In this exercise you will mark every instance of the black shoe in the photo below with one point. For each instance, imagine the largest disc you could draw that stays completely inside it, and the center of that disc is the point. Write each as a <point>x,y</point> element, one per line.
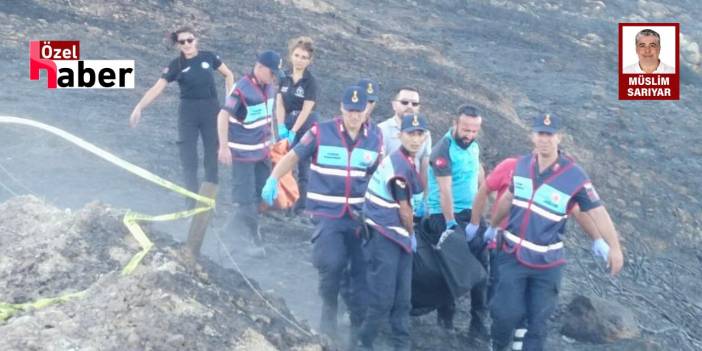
<point>477,327</point>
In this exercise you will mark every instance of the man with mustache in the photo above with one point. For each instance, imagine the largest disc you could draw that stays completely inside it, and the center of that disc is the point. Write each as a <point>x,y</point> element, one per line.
<point>453,180</point>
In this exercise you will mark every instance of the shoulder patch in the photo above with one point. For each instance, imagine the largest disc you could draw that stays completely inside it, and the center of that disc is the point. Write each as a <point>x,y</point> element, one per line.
<point>591,192</point>
<point>441,162</point>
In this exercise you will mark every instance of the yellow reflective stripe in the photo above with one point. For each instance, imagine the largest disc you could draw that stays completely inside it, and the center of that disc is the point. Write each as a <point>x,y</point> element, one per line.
<point>531,246</point>
<point>380,201</point>
<point>336,172</point>
<point>247,147</point>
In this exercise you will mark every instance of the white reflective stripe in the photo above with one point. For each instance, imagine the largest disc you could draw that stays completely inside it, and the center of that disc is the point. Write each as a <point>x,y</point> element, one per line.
<point>335,199</point>
<point>254,125</point>
<point>519,333</point>
<point>531,246</point>
<point>400,230</point>
<point>538,210</point>
<point>336,172</point>
<point>356,200</point>
<point>380,201</point>
<point>247,147</point>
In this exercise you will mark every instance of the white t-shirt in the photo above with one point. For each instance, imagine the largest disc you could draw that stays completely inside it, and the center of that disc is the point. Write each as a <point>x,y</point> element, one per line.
<point>662,68</point>
<point>391,140</point>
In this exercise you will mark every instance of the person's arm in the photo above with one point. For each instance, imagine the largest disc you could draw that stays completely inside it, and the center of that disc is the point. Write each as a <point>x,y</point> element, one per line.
<point>504,204</point>
<point>285,164</point>
<point>406,215</point>
<point>605,226</point>
<point>224,154</point>
<point>279,109</point>
<point>424,164</point>
<point>479,203</point>
<point>307,107</point>
<point>228,78</point>
<point>148,97</point>
<point>585,222</point>
<point>481,175</point>
<point>446,196</point>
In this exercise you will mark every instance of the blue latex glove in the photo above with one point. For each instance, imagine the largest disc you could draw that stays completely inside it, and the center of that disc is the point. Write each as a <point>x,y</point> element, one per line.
<point>451,224</point>
<point>291,137</point>
<point>600,249</point>
<point>490,234</point>
<point>282,131</point>
<point>471,230</point>
<point>270,191</point>
<point>413,241</point>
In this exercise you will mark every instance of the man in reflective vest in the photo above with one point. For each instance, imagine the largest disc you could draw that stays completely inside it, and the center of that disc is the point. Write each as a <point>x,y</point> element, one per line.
<point>546,185</point>
<point>498,181</point>
<point>244,128</point>
<point>344,153</point>
<point>454,177</point>
<point>389,216</point>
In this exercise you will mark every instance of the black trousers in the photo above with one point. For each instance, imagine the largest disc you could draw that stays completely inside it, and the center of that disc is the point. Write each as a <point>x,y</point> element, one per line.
<point>198,118</point>
<point>478,295</point>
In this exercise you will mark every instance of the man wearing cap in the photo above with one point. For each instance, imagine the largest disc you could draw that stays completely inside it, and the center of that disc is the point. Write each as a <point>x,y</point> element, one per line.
<point>344,153</point>
<point>406,102</point>
<point>546,185</point>
<point>454,177</point>
<point>389,217</point>
<point>244,129</point>
<point>372,92</point>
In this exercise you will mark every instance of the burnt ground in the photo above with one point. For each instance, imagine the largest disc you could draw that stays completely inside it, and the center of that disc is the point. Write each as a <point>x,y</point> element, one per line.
<point>512,59</point>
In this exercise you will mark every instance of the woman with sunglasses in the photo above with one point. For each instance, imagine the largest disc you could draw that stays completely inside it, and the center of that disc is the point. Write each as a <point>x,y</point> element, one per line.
<point>295,103</point>
<point>197,113</point>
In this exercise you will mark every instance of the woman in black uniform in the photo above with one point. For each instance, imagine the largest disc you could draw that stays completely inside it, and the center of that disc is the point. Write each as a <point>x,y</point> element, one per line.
<point>197,113</point>
<point>295,102</point>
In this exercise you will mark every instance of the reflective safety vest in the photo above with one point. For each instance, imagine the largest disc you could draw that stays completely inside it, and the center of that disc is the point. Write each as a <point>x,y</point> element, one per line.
<point>538,214</point>
<point>380,208</point>
<point>250,138</point>
<point>465,169</point>
<point>339,177</point>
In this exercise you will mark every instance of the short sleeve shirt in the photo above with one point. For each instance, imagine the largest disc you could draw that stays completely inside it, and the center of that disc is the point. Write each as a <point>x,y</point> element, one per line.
<point>295,94</point>
<point>391,140</point>
<point>194,75</point>
<point>499,180</point>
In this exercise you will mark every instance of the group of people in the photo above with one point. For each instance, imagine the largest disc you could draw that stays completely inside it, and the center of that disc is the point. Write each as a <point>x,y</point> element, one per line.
<point>370,187</point>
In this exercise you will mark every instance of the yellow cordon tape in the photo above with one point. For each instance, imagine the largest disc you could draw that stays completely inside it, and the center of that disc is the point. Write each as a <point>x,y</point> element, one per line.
<point>130,219</point>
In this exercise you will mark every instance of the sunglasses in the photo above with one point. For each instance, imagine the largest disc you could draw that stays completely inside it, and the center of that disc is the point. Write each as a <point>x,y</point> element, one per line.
<point>189,41</point>
<point>405,102</point>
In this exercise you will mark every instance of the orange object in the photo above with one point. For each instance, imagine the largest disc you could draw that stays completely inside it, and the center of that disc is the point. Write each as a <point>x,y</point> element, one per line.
<point>288,193</point>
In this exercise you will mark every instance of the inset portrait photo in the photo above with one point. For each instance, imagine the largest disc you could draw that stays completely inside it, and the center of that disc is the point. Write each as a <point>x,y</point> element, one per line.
<point>649,61</point>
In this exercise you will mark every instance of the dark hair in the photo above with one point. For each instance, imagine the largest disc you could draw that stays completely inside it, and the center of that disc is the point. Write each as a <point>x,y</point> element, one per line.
<point>647,33</point>
<point>183,29</point>
<point>467,110</point>
<point>304,43</point>
<point>408,88</point>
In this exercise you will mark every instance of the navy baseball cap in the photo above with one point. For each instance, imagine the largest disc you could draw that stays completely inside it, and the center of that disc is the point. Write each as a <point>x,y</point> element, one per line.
<point>547,123</point>
<point>273,61</point>
<point>371,89</point>
<point>413,122</point>
<point>355,98</point>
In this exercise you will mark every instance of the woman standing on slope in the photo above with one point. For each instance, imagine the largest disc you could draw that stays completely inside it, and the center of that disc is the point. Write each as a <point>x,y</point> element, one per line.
<point>295,102</point>
<point>197,112</point>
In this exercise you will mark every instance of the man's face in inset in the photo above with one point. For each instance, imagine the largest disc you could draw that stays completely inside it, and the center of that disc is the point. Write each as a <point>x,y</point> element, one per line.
<point>648,48</point>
